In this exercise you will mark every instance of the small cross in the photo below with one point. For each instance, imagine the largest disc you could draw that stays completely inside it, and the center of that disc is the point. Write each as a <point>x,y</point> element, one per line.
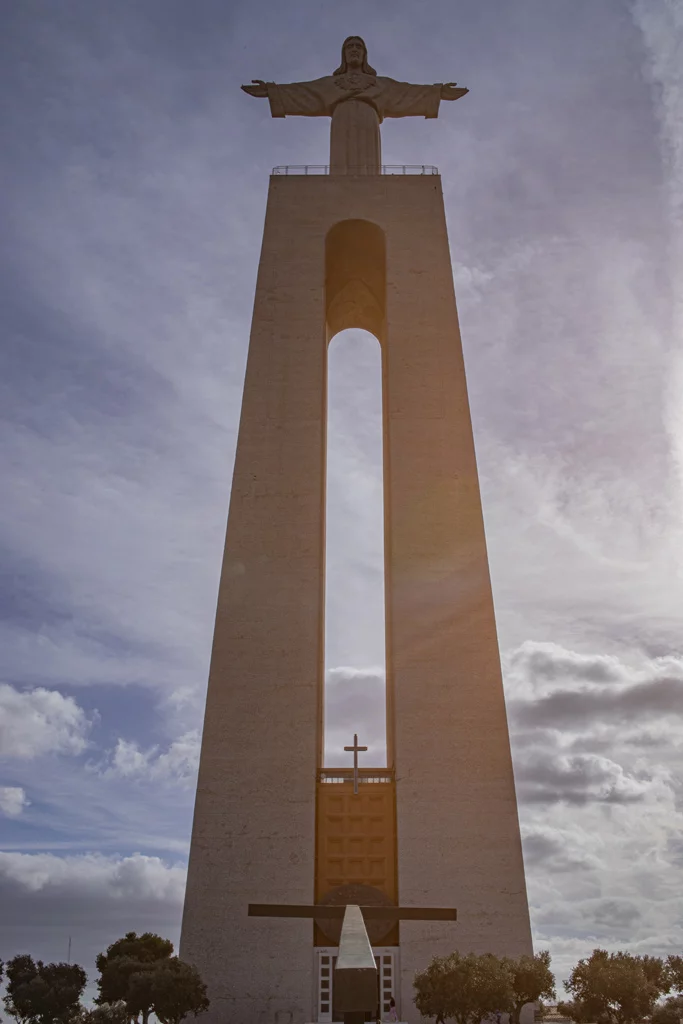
<point>355,748</point>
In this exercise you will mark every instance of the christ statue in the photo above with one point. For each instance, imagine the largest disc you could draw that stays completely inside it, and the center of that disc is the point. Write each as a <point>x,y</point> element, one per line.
<point>357,99</point>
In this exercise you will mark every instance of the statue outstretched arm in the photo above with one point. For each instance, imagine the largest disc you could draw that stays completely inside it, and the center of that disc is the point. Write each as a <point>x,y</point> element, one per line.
<point>402,99</point>
<point>305,99</point>
<point>257,88</point>
<point>449,91</point>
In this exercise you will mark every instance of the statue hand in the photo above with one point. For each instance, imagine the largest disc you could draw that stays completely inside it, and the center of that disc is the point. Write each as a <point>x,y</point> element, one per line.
<point>450,92</point>
<point>258,88</point>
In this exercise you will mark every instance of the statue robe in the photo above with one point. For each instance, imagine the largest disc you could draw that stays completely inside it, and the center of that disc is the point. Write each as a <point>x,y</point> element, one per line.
<point>357,104</point>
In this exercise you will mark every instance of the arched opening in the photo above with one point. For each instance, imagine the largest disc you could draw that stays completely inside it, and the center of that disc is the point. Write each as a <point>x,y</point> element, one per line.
<point>355,670</point>
<point>355,277</point>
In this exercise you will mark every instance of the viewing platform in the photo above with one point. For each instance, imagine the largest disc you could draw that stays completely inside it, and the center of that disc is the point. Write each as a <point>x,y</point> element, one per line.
<point>304,169</point>
<point>369,775</point>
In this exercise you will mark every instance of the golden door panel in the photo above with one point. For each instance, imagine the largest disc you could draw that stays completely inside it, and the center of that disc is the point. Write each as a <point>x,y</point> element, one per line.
<point>356,837</point>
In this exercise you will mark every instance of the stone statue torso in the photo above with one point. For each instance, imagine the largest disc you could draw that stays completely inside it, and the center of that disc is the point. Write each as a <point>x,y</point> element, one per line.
<point>354,142</point>
<point>353,81</point>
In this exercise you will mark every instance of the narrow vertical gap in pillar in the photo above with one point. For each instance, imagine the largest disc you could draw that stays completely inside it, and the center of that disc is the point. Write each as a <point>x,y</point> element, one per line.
<point>355,670</point>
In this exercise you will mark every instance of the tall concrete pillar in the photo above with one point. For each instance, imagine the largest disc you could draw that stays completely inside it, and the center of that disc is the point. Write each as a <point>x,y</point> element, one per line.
<point>370,252</point>
<point>458,833</point>
<point>253,838</point>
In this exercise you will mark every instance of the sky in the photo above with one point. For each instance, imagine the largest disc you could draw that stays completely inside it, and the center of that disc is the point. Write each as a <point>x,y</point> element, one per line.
<point>132,194</point>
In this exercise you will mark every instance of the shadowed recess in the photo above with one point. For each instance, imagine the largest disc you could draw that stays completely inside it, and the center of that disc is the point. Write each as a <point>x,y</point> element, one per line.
<point>355,277</point>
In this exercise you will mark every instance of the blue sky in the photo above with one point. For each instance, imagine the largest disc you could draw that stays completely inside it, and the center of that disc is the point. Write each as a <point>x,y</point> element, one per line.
<point>132,192</point>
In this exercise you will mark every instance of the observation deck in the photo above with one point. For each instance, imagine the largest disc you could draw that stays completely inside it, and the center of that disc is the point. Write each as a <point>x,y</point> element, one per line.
<point>305,169</point>
<point>372,775</point>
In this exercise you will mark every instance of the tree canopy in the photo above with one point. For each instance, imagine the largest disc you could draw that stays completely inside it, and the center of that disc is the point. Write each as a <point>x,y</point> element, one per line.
<point>530,981</point>
<point>615,988</point>
<point>674,970</point>
<point>668,1012</point>
<point>123,968</point>
<point>142,972</point>
<point>39,993</point>
<point>106,1013</point>
<point>463,988</point>
<point>177,990</point>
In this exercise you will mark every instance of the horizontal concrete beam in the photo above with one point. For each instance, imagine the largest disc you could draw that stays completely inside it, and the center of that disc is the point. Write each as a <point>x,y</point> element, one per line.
<point>323,913</point>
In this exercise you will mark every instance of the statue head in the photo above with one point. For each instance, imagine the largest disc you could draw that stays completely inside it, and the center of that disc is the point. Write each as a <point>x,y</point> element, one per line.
<point>354,57</point>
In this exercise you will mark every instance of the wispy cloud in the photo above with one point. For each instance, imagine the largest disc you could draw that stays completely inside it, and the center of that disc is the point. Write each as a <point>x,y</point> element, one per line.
<point>662,27</point>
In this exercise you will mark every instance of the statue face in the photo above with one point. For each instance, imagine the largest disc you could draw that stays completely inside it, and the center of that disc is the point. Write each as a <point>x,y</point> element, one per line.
<point>354,53</point>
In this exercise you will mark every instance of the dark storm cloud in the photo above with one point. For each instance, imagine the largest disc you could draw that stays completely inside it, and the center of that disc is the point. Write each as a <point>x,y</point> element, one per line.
<point>674,850</point>
<point>554,852</point>
<point>546,778</point>
<point>637,738</point>
<point>615,915</point>
<point>93,899</point>
<point>591,921</point>
<point>550,663</point>
<point>565,709</point>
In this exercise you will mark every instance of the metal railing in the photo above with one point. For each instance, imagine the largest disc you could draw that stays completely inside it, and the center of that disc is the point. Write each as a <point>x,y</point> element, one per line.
<point>337,775</point>
<point>299,169</point>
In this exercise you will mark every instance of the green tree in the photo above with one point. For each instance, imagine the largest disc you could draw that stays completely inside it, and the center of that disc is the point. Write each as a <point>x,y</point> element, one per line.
<point>39,993</point>
<point>123,968</point>
<point>657,972</point>
<point>674,970</point>
<point>106,1013</point>
<point>668,1012</point>
<point>531,979</point>
<point>614,988</point>
<point>463,988</point>
<point>177,990</point>
<point>574,1011</point>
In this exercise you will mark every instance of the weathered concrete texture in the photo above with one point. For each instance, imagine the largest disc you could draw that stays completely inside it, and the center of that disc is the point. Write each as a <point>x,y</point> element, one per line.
<point>254,830</point>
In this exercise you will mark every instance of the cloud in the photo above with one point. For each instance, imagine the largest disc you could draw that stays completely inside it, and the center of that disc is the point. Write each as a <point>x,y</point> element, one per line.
<point>355,702</point>
<point>552,687</point>
<point>614,914</point>
<point>179,763</point>
<point>94,899</point>
<point>596,745</point>
<point>127,317</point>
<point>555,850</point>
<point>582,725</point>
<point>662,33</point>
<point>13,800</point>
<point>674,849</point>
<point>40,721</point>
<point>579,779</point>
<point>654,699</point>
<point>546,662</point>
<point>114,878</point>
